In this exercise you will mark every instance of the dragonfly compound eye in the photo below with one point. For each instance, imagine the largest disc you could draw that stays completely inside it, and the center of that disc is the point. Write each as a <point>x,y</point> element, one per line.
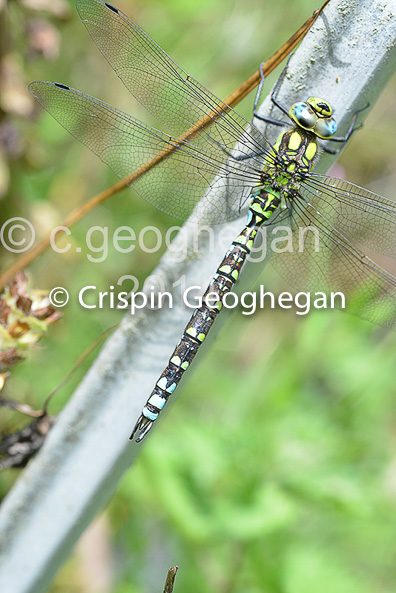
<point>302,114</point>
<point>325,127</point>
<point>320,106</point>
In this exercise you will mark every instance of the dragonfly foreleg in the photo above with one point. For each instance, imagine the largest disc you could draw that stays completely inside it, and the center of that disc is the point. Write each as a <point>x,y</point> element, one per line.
<point>274,98</point>
<point>343,139</point>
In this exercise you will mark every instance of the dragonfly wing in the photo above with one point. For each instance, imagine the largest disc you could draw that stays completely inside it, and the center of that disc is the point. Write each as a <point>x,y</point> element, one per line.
<point>317,257</point>
<point>177,179</point>
<point>364,217</point>
<point>177,100</point>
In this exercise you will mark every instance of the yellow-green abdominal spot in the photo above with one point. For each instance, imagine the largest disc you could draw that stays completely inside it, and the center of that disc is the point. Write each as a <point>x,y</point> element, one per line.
<point>241,239</point>
<point>257,208</point>
<point>225,269</point>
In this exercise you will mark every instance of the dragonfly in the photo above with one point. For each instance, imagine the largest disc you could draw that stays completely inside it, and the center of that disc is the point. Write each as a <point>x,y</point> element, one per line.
<point>219,172</point>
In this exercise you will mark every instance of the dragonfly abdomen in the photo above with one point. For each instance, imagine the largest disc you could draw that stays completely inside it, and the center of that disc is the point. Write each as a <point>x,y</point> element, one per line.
<point>263,204</point>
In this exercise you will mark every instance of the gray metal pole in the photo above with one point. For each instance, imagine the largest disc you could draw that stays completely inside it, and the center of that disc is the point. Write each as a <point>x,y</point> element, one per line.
<point>346,58</point>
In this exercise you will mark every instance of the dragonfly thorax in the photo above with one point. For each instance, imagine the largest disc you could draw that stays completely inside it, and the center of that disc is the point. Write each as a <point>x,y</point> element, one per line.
<point>295,155</point>
<point>314,115</point>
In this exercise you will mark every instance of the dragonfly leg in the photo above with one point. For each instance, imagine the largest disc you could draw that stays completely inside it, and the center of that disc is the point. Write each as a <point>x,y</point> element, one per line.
<point>274,99</point>
<point>270,120</point>
<point>267,119</point>
<point>343,139</point>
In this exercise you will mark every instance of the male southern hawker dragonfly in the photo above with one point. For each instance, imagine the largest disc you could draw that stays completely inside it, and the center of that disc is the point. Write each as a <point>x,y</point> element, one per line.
<point>249,175</point>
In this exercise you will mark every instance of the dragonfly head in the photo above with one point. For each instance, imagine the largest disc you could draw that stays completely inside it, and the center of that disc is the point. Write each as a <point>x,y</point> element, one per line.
<point>314,115</point>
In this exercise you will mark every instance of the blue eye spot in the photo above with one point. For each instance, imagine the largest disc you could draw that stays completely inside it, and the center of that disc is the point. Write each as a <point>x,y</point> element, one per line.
<point>303,115</point>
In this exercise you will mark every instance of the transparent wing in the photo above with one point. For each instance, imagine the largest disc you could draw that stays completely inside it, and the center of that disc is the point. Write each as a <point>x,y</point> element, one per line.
<point>153,78</point>
<point>361,215</point>
<point>323,259</point>
<point>179,177</point>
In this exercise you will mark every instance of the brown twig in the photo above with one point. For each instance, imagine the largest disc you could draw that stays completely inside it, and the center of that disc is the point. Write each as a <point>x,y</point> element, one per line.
<point>170,579</point>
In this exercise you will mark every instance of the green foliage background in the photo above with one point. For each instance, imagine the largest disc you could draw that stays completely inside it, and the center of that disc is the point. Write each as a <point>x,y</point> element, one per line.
<point>275,471</point>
